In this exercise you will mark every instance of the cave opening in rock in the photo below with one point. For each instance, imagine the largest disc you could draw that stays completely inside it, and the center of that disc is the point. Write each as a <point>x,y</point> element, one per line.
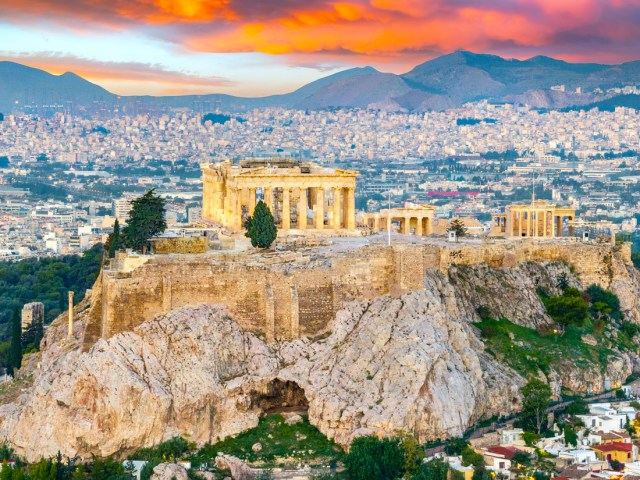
<point>279,396</point>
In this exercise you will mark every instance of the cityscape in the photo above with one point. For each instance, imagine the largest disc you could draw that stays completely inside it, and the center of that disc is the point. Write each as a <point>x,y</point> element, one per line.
<point>66,179</point>
<point>354,240</point>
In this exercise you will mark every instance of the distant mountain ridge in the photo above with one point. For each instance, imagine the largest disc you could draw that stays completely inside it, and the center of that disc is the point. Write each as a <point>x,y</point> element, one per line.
<point>444,82</point>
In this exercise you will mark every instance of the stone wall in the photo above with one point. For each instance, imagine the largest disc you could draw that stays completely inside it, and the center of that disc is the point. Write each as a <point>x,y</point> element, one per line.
<point>288,294</point>
<point>180,245</point>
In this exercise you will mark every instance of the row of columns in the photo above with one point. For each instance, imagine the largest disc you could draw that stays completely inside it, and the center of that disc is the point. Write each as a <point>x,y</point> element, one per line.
<point>531,227</point>
<point>226,205</point>
<point>420,225</point>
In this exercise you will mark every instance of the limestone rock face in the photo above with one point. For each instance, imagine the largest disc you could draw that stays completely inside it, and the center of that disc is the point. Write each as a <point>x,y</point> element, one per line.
<point>169,471</point>
<point>390,364</point>
<point>410,363</point>
<point>174,375</point>
<point>401,364</point>
<point>510,292</point>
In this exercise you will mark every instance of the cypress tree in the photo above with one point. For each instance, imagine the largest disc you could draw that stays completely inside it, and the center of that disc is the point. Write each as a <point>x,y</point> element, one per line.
<point>146,220</point>
<point>261,228</point>
<point>114,240</point>
<point>15,351</point>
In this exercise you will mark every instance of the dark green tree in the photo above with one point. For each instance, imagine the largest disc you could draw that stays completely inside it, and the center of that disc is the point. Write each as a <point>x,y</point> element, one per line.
<point>521,458</point>
<point>536,397</point>
<point>6,471</point>
<point>146,220</point>
<point>600,295</point>
<point>577,407</point>
<point>107,469</point>
<point>261,227</point>
<point>45,469</point>
<point>472,458</point>
<point>15,352</point>
<point>567,309</point>
<point>79,473</point>
<point>570,436</point>
<point>563,281</point>
<point>628,426</point>
<point>457,226</point>
<point>455,446</point>
<point>7,452</point>
<point>370,457</point>
<point>114,241</point>
<point>147,470</point>
<point>433,470</point>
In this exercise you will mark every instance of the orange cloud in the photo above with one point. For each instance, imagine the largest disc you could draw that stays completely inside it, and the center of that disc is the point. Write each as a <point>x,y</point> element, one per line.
<point>373,29</point>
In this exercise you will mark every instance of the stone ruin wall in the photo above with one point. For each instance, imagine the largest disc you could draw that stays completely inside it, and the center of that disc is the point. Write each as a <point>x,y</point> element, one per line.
<point>281,301</point>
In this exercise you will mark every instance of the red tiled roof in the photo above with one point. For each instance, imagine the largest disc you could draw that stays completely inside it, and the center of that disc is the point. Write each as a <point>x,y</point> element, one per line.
<point>507,452</point>
<point>614,447</point>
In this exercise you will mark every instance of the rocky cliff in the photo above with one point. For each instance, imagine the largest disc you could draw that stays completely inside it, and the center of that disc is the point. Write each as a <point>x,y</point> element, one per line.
<point>412,362</point>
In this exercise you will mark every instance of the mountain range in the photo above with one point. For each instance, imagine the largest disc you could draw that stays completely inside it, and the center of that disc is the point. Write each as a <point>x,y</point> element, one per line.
<point>444,82</point>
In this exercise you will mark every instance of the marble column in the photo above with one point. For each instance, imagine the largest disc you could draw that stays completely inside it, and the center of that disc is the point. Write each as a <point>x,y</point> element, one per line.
<point>350,220</point>
<point>286,212</point>
<point>419,226</point>
<point>237,209</point>
<point>520,221</point>
<point>226,207</point>
<point>268,198</point>
<point>337,208</point>
<point>406,225</point>
<point>219,202</point>
<point>318,214</point>
<point>302,209</point>
<point>252,200</point>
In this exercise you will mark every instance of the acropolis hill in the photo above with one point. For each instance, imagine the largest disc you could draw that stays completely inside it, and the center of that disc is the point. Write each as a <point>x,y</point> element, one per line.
<point>365,337</point>
<point>367,331</point>
<point>287,294</point>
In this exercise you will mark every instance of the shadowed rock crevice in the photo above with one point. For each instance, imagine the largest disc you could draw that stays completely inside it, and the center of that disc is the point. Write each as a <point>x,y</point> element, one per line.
<point>278,396</point>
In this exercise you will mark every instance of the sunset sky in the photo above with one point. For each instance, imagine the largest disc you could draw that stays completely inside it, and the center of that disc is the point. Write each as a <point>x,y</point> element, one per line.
<point>262,47</point>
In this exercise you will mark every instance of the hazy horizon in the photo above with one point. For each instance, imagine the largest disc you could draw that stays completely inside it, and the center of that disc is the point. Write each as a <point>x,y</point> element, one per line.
<point>247,49</point>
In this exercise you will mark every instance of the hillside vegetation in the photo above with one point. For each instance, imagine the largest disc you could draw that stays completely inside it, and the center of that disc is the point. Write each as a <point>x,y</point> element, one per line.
<point>46,280</point>
<point>589,329</point>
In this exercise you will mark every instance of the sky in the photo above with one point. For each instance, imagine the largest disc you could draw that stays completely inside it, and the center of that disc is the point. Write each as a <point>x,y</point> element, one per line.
<point>261,47</point>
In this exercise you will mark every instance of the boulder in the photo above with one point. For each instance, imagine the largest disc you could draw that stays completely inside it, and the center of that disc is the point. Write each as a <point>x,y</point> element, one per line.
<point>169,471</point>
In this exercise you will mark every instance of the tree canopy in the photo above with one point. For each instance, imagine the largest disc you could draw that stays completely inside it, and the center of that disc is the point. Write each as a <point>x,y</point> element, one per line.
<point>114,241</point>
<point>146,220</point>
<point>536,397</point>
<point>45,280</point>
<point>261,227</point>
<point>370,458</point>
<point>456,225</point>
<point>15,351</point>
<point>568,308</point>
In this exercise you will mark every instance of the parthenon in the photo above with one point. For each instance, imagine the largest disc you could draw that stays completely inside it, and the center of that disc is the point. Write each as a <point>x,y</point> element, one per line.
<point>537,219</point>
<point>301,196</point>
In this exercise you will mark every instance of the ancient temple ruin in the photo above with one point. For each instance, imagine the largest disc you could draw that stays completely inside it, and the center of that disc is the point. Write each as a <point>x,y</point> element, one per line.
<point>536,219</point>
<point>301,195</point>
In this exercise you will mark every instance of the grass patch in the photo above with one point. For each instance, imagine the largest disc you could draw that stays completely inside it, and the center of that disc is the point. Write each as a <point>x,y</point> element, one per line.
<point>11,390</point>
<point>282,445</point>
<point>526,350</point>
